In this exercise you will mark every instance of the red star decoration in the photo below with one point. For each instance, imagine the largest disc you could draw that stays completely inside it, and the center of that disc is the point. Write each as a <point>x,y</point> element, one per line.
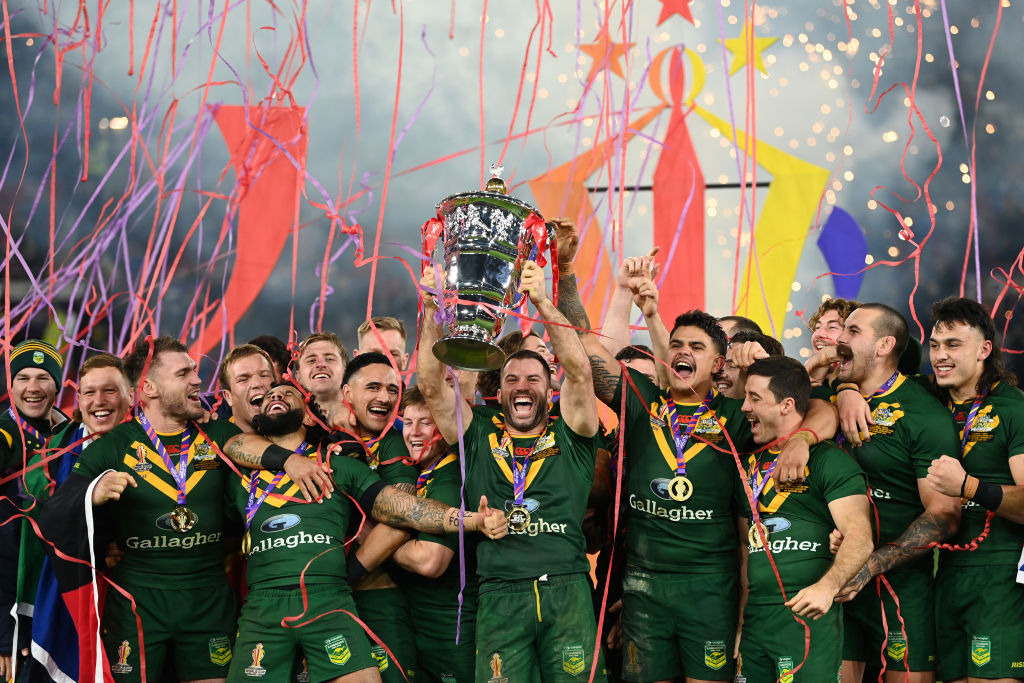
<point>603,51</point>
<point>670,7</point>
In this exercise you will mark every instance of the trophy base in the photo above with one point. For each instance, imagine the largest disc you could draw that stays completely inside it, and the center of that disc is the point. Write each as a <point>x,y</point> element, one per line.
<point>465,353</point>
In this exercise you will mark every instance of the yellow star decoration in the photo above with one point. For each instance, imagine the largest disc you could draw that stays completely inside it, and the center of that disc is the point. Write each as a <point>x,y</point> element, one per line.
<point>738,46</point>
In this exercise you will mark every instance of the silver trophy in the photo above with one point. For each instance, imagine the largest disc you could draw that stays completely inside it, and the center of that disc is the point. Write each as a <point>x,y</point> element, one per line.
<point>485,238</point>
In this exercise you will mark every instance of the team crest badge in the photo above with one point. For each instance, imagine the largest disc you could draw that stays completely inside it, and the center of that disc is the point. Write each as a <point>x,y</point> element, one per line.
<point>785,670</point>
<point>573,661</point>
<point>381,657</point>
<point>708,424</point>
<point>896,649</point>
<point>886,414</point>
<point>142,465</point>
<point>337,649</point>
<point>121,666</point>
<point>220,650</point>
<point>714,654</point>
<point>254,670</point>
<point>981,650</point>
<point>37,357</point>
<point>632,663</point>
<point>495,663</point>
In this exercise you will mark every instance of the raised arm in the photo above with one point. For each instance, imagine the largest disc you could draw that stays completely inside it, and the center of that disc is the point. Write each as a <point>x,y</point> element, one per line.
<point>578,408</point>
<point>939,521</point>
<point>395,507</point>
<point>605,370</point>
<point>615,332</point>
<point>852,515</point>
<point>430,371</point>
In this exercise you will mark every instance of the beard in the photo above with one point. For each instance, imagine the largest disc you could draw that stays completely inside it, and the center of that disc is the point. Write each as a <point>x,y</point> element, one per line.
<point>531,421</point>
<point>180,407</point>
<point>281,424</point>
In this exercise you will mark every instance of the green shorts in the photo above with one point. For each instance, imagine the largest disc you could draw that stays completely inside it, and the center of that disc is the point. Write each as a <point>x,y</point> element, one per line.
<point>979,622</point>
<point>909,646</point>
<point>386,612</point>
<point>191,628</point>
<point>333,645</point>
<point>533,630</point>
<point>438,658</point>
<point>662,640</point>
<point>773,643</point>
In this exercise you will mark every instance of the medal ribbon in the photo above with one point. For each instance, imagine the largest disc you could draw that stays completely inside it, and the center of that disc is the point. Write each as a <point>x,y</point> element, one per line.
<point>682,439</point>
<point>424,476</point>
<point>972,416</point>
<point>24,425</point>
<point>757,487</point>
<point>253,504</point>
<point>178,472</point>
<point>519,471</point>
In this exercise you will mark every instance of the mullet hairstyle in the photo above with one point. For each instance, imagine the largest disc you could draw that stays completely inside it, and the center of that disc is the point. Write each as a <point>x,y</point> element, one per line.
<point>706,322</point>
<point>787,378</point>
<point>844,307</point>
<point>953,310</point>
<point>135,361</point>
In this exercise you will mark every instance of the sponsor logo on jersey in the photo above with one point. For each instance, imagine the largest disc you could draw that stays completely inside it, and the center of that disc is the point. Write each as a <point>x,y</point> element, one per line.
<point>632,663</point>
<point>121,666</point>
<point>981,650</point>
<point>785,669</point>
<point>714,654</point>
<point>293,541</point>
<point>220,650</point>
<point>337,649</point>
<point>1017,665</point>
<point>881,494</point>
<point>896,648</point>
<point>164,521</point>
<point>280,523</point>
<point>176,541</point>
<point>776,524</point>
<point>573,661</point>
<point>381,657</point>
<point>788,544</point>
<point>495,663</point>
<point>254,670</point>
<point>676,513</point>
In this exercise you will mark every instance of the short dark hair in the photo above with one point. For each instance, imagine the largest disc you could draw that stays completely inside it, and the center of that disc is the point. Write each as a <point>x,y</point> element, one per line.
<point>771,345</point>
<point>741,324</point>
<point>364,360</point>
<point>635,352</point>
<point>787,378</point>
<point>706,322</point>
<point>275,348</point>
<point>488,382</point>
<point>135,361</point>
<point>527,354</point>
<point>413,397</point>
<point>890,323</point>
<point>955,309</point>
<point>844,307</point>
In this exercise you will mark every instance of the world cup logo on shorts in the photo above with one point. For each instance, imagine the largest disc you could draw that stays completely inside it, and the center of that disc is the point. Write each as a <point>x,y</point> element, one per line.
<point>121,666</point>
<point>254,670</point>
<point>495,663</point>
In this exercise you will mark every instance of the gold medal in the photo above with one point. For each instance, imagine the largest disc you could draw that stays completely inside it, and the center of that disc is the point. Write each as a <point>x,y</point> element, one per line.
<point>183,519</point>
<point>518,518</point>
<point>755,538</point>
<point>680,488</point>
<point>246,543</point>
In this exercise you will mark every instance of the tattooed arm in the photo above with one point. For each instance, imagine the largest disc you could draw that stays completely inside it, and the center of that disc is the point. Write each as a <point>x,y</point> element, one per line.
<point>398,508</point>
<point>259,453</point>
<point>939,521</point>
<point>605,370</point>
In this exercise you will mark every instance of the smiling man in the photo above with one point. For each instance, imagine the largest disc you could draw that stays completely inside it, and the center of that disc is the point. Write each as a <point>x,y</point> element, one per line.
<point>288,540</point>
<point>319,369</point>
<point>161,481</point>
<point>534,619</point>
<point>245,376</point>
<point>793,525</point>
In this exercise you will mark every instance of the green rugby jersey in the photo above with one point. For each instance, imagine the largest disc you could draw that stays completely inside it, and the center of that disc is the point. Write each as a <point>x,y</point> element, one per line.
<point>287,533</point>
<point>389,458</point>
<point>156,554</point>
<point>997,435</point>
<point>558,483</point>
<point>798,520</point>
<point>697,535</point>
<point>13,448</point>
<point>911,429</point>
<point>434,603</point>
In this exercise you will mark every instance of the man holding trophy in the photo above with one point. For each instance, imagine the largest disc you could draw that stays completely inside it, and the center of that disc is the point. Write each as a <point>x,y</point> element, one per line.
<point>535,619</point>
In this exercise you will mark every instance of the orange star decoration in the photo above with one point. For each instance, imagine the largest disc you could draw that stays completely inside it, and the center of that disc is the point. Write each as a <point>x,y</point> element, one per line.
<point>671,7</point>
<point>738,46</point>
<point>605,53</point>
